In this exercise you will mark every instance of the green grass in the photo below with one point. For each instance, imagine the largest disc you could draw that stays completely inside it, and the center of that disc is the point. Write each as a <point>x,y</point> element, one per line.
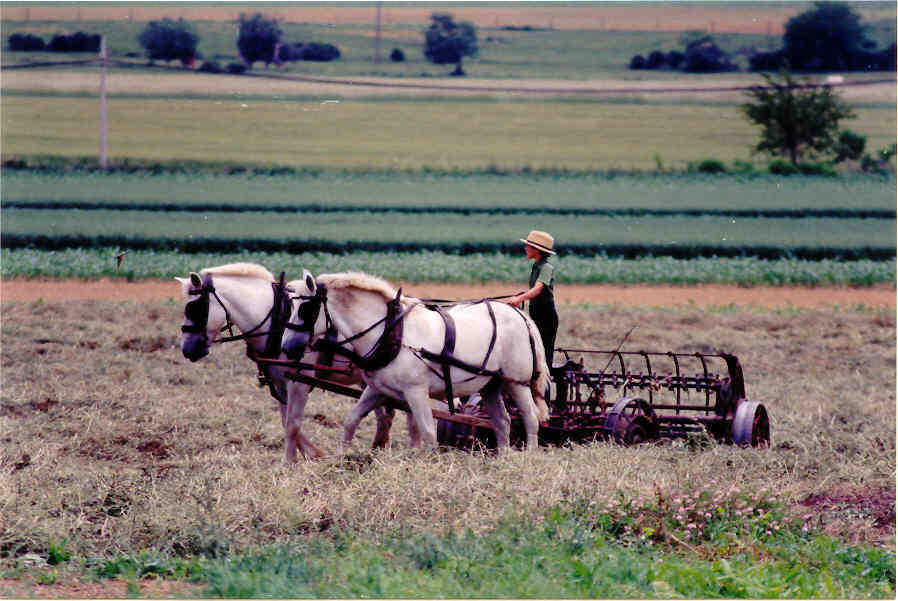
<point>635,549</point>
<point>518,192</point>
<point>441,267</point>
<point>576,136</point>
<point>564,559</point>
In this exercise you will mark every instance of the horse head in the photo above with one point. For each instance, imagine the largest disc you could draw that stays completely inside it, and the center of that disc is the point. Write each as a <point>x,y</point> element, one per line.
<point>204,316</point>
<point>304,319</point>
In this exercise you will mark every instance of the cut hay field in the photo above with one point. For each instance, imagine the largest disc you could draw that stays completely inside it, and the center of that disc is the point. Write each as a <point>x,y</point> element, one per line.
<point>121,459</point>
<point>575,136</point>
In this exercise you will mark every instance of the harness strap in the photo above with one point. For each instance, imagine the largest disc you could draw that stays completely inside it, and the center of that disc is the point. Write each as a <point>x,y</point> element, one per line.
<point>489,350</point>
<point>448,349</point>
<point>532,343</point>
<point>281,307</point>
<point>384,350</point>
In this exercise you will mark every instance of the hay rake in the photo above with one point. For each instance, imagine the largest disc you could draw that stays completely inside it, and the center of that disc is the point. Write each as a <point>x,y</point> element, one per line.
<point>635,397</point>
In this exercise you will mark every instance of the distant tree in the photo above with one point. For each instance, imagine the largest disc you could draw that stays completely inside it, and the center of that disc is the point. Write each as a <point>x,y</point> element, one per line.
<point>447,42</point>
<point>849,146</point>
<point>796,118</point>
<point>25,42</point>
<point>257,39</point>
<point>824,38</point>
<point>169,40</point>
<point>705,56</point>
<point>637,62</point>
<point>76,42</point>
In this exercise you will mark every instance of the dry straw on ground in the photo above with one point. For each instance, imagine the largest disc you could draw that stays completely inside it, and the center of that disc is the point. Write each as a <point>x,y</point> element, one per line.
<point>113,442</point>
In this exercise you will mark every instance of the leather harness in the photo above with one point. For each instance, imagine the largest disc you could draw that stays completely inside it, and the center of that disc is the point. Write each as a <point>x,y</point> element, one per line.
<point>389,344</point>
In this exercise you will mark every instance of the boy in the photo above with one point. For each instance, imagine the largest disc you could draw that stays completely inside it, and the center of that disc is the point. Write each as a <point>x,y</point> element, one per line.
<point>538,246</point>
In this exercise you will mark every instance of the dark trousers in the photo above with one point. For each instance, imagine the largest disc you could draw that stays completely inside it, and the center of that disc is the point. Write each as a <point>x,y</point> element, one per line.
<point>546,319</point>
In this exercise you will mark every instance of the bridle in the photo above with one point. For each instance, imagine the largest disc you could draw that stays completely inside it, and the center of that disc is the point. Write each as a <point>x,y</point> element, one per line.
<point>381,354</point>
<point>197,312</point>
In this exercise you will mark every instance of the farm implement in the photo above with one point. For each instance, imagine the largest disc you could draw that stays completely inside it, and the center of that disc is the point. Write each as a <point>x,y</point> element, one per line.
<point>636,397</point>
<point>627,397</point>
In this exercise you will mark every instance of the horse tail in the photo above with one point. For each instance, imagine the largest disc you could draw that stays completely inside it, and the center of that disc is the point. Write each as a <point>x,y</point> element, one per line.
<point>539,381</point>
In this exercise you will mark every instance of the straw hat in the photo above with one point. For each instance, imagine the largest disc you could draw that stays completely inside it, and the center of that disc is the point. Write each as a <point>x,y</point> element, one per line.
<point>541,241</point>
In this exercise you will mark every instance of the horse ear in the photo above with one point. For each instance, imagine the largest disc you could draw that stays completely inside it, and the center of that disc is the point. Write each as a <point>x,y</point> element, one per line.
<point>196,280</point>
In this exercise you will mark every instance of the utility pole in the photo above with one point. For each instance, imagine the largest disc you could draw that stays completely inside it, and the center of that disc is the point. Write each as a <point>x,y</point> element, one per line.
<point>377,36</point>
<point>103,102</point>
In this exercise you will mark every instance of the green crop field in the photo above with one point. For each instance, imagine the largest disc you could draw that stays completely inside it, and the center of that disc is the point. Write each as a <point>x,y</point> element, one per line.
<point>453,231</point>
<point>425,266</point>
<point>330,190</point>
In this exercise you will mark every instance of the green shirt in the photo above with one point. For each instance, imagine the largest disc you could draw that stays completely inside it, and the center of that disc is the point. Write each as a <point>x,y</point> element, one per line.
<point>543,271</point>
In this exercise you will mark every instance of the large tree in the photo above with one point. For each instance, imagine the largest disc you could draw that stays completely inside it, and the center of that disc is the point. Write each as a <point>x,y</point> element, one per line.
<point>447,42</point>
<point>169,40</point>
<point>797,119</point>
<point>825,38</point>
<point>257,39</point>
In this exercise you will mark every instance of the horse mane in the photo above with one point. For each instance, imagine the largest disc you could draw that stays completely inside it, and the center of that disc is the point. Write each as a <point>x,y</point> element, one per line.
<point>360,281</point>
<point>246,270</point>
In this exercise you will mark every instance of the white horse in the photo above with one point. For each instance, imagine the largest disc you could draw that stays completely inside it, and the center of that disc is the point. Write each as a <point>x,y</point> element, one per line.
<point>497,349</point>
<point>245,295</point>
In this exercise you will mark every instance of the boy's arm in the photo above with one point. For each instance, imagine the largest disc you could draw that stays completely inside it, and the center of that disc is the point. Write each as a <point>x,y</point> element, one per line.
<point>519,298</point>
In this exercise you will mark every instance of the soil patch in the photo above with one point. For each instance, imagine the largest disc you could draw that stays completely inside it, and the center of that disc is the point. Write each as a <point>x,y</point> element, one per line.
<point>600,294</point>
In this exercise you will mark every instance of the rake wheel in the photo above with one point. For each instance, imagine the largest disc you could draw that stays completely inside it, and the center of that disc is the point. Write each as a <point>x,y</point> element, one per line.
<point>751,426</point>
<point>632,421</point>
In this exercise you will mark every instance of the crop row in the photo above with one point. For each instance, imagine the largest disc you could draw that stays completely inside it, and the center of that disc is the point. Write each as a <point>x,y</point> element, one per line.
<point>433,266</point>
<point>677,236</point>
<point>344,190</point>
<point>165,206</point>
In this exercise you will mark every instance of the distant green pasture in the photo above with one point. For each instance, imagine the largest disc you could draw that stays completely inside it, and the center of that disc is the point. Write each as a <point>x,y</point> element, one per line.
<point>453,229</point>
<point>543,52</point>
<point>549,54</point>
<point>335,190</point>
<point>587,136</point>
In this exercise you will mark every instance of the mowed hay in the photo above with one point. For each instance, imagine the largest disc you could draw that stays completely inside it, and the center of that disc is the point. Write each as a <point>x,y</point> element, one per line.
<point>113,442</point>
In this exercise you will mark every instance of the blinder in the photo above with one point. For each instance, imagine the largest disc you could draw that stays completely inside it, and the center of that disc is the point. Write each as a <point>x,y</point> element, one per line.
<point>307,314</point>
<point>197,311</point>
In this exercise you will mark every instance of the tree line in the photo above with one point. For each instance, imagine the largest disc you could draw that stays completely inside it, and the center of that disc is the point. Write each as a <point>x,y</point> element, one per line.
<point>828,37</point>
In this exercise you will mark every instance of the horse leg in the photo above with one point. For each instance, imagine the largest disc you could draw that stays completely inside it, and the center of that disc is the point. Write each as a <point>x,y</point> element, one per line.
<point>291,416</point>
<point>424,431</point>
<point>367,402</point>
<point>524,400</point>
<point>498,416</point>
<point>414,435</point>
<point>384,423</point>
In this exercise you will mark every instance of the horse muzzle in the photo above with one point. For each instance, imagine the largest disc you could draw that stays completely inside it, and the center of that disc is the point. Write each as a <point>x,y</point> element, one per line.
<point>194,350</point>
<point>295,345</point>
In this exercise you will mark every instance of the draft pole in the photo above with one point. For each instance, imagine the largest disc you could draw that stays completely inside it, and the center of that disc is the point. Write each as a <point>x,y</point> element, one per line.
<point>103,102</point>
